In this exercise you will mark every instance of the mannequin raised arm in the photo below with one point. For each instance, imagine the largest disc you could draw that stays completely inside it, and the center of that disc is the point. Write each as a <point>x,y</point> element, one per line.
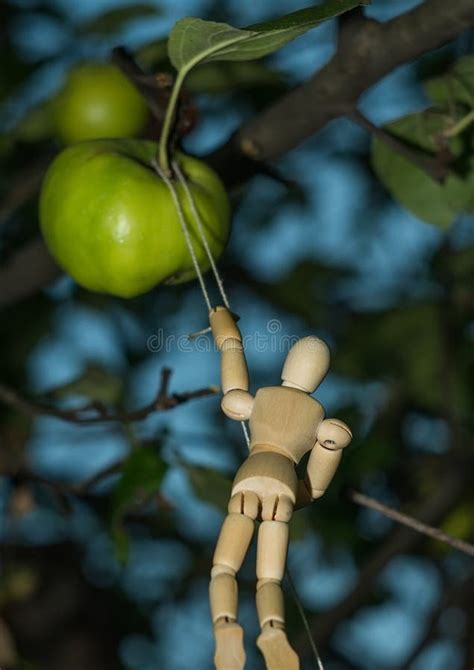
<point>237,402</point>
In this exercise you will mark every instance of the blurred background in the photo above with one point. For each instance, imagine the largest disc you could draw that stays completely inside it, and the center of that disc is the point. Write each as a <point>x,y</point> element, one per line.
<point>115,574</point>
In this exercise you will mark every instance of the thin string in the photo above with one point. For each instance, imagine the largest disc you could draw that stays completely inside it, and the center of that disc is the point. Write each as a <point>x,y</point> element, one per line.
<point>246,432</point>
<point>200,226</point>
<point>302,614</point>
<point>197,217</point>
<point>187,236</point>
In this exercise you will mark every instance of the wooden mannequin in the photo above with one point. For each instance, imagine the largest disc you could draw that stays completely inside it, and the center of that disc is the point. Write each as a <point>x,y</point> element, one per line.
<point>285,423</point>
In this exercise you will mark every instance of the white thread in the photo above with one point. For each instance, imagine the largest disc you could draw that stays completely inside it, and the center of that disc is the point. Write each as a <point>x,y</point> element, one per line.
<point>187,236</point>
<point>205,243</point>
<point>301,611</point>
<point>202,233</point>
<point>246,432</point>
<point>184,227</point>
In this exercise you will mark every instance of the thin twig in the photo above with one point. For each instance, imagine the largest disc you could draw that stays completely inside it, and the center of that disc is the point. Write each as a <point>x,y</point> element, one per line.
<point>83,487</point>
<point>155,89</point>
<point>400,540</point>
<point>64,489</point>
<point>368,54</point>
<point>434,167</point>
<point>431,531</point>
<point>163,402</point>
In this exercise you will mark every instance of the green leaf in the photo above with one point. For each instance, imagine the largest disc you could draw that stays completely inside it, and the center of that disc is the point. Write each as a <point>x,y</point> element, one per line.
<point>141,478</point>
<point>210,486</point>
<point>111,22</point>
<point>217,77</point>
<point>214,77</point>
<point>439,204</point>
<point>193,41</point>
<point>95,383</point>
<point>456,86</point>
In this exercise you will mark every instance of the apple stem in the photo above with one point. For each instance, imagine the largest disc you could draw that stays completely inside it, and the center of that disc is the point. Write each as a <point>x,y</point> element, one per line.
<point>163,158</point>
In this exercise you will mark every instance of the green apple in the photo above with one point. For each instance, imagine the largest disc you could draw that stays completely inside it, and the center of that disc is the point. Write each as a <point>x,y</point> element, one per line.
<point>110,221</point>
<point>98,101</point>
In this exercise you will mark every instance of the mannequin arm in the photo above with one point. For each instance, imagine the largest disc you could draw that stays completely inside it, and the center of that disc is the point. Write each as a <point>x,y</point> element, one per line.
<point>333,437</point>
<point>322,466</point>
<point>237,402</point>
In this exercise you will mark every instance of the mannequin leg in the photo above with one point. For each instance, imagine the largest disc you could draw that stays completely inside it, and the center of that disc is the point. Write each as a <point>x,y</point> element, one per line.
<point>232,545</point>
<point>271,559</point>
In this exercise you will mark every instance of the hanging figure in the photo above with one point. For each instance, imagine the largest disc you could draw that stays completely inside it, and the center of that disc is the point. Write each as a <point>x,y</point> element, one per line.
<point>285,423</point>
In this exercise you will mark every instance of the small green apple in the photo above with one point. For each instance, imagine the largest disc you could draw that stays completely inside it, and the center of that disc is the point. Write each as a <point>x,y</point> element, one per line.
<point>96,102</point>
<point>110,221</point>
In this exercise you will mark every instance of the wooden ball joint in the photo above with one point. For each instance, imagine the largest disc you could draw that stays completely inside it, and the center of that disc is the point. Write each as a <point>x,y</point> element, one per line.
<point>285,423</point>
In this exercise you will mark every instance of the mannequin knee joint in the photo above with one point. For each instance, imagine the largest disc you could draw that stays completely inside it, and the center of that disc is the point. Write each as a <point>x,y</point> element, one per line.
<point>221,569</point>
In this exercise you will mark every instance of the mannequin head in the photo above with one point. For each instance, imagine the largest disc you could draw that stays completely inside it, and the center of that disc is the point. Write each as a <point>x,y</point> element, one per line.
<point>306,364</point>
